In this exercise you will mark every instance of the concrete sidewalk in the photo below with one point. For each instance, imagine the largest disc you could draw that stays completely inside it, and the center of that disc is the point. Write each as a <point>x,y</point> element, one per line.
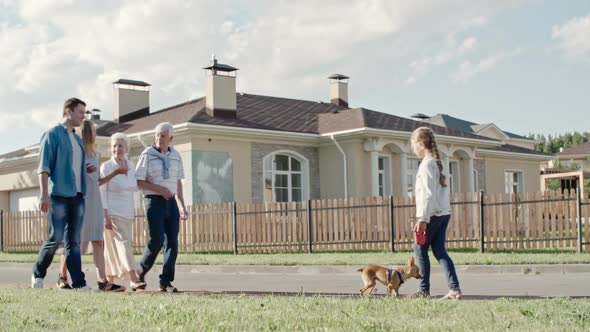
<point>476,280</point>
<point>351,269</point>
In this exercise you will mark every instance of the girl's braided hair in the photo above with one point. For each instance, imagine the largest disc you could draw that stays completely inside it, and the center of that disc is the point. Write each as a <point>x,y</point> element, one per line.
<point>425,136</point>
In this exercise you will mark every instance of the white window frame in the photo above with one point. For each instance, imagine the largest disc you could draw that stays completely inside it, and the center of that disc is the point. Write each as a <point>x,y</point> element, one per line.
<point>386,184</point>
<point>520,185</point>
<point>452,188</point>
<point>304,174</point>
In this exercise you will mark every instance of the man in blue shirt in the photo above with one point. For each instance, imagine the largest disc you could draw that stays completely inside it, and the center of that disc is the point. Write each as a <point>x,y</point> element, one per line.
<point>62,162</point>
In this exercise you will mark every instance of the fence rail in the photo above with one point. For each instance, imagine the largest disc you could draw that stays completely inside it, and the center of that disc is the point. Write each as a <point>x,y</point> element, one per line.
<point>478,221</point>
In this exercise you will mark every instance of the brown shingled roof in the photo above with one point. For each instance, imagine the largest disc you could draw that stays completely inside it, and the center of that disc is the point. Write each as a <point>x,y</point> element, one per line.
<point>279,114</point>
<point>580,149</point>
<point>516,149</point>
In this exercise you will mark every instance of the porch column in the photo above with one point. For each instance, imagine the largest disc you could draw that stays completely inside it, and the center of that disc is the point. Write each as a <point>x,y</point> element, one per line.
<point>403,158</point>
<point>470,179</point>
<point>446,167</point>
<point>374,173</point>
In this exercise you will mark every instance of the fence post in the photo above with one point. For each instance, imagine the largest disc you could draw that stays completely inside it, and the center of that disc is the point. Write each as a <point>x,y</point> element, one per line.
<point>579,212</point>
<point>482,217</point>
<point>309,228</point>
<point>1,228</point>
<point>234,220</point>
<point>391,223</point>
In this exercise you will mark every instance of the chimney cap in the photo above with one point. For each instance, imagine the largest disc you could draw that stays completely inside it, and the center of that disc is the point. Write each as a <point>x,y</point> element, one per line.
<point>221,67</point>
<point>338,77</point>
<point>131,82</point>
<point>420,116</point>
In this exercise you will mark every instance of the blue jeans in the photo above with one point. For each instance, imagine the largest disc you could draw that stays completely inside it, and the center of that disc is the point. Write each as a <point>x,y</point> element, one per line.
<point>163,218</point>
<point>436,236</point>
<point>66,215</point>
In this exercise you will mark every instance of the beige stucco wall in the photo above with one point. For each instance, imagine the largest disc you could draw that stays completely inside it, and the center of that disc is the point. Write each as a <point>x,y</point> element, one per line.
<point>359,170</point>
<point>331,172</point>
<point>22,178</point>
<point>359,176</point>
<point>492,132</point>
<point>495,168</point>
<point>221,92</point>
<point>4,200</point>
<point>127,101</point>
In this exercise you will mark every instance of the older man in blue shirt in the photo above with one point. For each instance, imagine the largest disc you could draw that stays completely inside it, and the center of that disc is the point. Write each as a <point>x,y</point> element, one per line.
<point>61,179</point>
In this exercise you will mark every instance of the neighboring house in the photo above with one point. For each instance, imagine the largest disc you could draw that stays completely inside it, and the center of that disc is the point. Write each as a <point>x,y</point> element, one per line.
<point>486,129</point>
<point>571,167</point>
<point>251,148</point>
<point>575,157</point>
<point>512,166</point>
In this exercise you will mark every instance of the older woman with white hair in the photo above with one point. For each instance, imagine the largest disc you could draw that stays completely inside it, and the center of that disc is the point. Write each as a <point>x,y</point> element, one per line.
<point>117,201</point>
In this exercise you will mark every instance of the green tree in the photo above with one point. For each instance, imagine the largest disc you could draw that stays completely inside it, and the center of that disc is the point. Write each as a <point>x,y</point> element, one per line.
<point>552,143</point>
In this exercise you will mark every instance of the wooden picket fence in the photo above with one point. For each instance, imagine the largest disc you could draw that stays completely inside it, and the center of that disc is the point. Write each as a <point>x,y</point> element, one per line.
<point>485,222</point>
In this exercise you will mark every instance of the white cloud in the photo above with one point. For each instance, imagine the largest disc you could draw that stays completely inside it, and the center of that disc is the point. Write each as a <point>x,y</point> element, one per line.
<point>468,70</point>
<point>55,49</point>
<point>573,36</point>
<point>32,118</point>
<point>476,22</point>
<point>467,45</point>
<point>450,52</point>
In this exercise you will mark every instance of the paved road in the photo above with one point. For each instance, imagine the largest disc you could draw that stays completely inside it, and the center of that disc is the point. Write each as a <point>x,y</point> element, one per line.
<point>477,282</point>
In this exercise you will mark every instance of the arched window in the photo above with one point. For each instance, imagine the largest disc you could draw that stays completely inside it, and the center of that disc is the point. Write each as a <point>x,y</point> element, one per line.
<point>285,177</point>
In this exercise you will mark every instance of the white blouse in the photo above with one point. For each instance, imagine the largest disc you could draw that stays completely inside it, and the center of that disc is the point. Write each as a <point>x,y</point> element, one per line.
<point>432,199</point>
<point>117,194</point>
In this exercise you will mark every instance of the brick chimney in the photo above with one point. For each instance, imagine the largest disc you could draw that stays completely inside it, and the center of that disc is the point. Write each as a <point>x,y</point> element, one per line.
<point>132,100</point>
<point>339,89</point>
<point>221,90</point>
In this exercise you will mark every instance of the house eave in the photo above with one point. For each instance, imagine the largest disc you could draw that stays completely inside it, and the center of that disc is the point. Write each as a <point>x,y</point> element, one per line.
<point>16,164</point>
<point>572,156</point>
<point>484,152</point>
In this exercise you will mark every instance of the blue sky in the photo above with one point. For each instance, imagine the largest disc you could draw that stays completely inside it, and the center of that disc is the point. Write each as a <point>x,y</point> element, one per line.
<point>524,65</point>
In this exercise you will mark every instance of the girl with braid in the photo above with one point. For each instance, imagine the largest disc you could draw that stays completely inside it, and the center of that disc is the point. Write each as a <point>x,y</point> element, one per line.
<point>433,211</point>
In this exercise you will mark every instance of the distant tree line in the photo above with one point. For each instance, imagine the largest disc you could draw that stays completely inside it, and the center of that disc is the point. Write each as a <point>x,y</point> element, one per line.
<point>552,143</point>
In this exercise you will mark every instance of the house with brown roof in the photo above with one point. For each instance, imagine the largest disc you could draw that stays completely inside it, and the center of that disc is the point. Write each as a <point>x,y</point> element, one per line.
<point>577,157</point>
<point>251,148</point>
<point>569,169</point>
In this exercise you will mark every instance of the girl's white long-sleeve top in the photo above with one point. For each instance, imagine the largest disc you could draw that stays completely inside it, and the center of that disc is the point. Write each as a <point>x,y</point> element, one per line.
<point>117,194</point>
<point>432,199</point>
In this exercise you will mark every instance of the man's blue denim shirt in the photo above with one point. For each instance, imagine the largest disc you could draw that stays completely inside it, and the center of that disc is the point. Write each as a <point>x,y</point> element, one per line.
<point>55,159</point>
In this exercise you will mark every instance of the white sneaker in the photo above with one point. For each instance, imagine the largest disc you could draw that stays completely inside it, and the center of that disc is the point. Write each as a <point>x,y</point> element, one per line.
<point>36,282</point>
<point>85,288</point>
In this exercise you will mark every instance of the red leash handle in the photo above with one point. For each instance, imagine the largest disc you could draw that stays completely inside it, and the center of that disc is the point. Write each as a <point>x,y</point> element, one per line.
<point>420,238</point>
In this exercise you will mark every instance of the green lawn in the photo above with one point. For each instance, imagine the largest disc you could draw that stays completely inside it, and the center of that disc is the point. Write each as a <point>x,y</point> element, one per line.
<point>460,258</point>
<point>29,309</point>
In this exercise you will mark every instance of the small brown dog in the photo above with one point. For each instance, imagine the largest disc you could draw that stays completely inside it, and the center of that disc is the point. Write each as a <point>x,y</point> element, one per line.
<point>393,279</point>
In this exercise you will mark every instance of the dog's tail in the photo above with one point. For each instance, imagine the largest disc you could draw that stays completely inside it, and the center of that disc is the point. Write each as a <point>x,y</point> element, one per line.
<point>361,269</point>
